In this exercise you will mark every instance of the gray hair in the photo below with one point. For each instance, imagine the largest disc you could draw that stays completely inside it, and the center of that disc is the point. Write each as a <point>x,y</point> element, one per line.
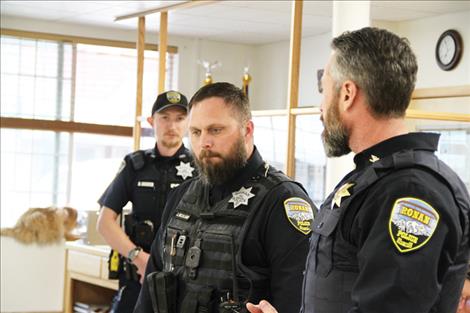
<point>381,64</point>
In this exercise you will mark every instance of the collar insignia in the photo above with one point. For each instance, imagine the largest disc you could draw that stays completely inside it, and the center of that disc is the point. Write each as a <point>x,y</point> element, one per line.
<point>241,196</point>
<point>373,158</point>
<point>185,170</point>
<point>342,192</point>
<point>412,223</point>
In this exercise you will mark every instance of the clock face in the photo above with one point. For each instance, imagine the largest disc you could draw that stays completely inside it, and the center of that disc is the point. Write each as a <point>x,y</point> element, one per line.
<point>447,49</point>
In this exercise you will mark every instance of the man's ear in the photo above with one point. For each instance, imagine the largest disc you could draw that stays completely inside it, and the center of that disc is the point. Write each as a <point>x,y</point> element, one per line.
<point>249,128</point>
<point>150,121</point>
<point>348,94</point>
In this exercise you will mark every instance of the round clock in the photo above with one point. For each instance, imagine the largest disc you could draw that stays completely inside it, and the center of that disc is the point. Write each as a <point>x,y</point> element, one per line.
<point>449,49</point>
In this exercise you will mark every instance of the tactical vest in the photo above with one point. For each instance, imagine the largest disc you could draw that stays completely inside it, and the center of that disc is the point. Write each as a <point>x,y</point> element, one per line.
<point>327,289</point>
<point>203,245</point>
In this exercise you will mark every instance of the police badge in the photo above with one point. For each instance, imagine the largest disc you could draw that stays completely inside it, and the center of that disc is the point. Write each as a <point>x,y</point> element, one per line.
<point>299,213</point>
<point>173,96</point>
<point>412,223</point>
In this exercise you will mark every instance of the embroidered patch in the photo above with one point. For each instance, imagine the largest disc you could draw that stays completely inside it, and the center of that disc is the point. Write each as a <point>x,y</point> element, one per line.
<point>300,214</point>
<point>173,96</point>
<point>184,170</point>
<point>412,223</point>
<point>241,196</point>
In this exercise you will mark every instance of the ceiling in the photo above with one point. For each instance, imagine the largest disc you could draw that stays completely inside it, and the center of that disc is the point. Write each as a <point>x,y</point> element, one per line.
<point>247,22</point>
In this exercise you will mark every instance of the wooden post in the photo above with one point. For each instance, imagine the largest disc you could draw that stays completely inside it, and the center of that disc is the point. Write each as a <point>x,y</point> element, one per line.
<point>293,87</point>
<point>162,49</point>
<point>140,77</point>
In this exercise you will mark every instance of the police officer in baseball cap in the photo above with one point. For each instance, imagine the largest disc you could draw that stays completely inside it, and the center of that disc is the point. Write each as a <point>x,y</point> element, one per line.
<point>145,179</point>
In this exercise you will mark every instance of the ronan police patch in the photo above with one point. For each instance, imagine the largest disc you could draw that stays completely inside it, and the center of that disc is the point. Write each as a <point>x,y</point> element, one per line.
<point>300,214</point>
<point>412,223</point>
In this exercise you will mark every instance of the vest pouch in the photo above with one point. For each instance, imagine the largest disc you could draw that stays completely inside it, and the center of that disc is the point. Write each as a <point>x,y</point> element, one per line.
<point>199,299</point>
<point>163,291</point>
<point>324,226</point>
<point>176,242</point>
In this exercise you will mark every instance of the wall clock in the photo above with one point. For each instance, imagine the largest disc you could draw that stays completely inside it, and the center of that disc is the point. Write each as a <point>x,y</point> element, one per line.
<point>449,49</point>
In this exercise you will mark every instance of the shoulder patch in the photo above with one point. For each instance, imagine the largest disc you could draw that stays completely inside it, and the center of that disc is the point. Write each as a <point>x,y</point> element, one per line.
<point>412,223</point>
<point>299,213</point>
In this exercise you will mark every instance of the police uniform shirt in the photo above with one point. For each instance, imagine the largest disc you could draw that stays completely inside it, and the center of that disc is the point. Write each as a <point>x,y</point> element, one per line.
<point>148,186</point>
<point>272,243</point>
<point>399,237</point>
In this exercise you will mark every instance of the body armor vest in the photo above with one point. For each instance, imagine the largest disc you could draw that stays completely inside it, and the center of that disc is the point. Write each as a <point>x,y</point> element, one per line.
<point>327,286</point>
<point>203,243</point>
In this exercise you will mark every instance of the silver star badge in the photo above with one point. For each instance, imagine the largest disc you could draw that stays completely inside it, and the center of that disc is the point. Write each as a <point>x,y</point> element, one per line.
<point>185,170</point>
<point>241,196</point>
<point>373,158</point>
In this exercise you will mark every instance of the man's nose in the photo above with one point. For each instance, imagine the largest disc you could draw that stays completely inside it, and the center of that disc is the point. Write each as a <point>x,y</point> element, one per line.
<point>206,141</point>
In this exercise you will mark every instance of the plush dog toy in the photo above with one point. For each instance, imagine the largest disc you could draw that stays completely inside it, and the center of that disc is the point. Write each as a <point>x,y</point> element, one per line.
<point>44,225</point>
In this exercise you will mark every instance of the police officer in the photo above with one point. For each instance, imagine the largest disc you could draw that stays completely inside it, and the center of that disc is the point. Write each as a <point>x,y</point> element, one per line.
<point>394,234</point>
<point>239,231</point>
<point>145,178</point>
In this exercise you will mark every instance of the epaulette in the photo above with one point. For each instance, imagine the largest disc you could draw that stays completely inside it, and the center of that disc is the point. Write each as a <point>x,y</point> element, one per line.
<point>138,159</point>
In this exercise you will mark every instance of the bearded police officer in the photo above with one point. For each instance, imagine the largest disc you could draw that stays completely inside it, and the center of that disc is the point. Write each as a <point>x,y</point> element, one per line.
<point>394,234</point>
<point>145,178</point>
<point>238,232</point>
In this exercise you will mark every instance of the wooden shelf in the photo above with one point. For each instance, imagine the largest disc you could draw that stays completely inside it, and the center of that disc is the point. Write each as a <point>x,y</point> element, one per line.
<point>86,276</point>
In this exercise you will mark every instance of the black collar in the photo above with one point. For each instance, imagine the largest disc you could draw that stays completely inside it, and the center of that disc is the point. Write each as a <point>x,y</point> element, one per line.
<point>415,141</point>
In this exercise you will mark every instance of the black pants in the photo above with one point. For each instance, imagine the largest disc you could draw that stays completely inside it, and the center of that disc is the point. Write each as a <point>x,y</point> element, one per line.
<point>126,298</point>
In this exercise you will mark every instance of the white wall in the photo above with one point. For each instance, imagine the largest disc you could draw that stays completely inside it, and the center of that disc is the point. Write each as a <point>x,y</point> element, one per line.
<point>270,75</point>
<point>423,35</point>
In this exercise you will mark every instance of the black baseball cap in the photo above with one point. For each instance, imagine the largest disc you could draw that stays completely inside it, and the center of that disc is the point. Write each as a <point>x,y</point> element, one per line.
<point>169,99</point>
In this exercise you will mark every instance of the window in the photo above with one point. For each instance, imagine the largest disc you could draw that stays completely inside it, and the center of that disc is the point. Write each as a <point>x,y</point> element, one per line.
<point>310,159</point>
<point>271,139</point>
<point>52,80</point>
<point>35,78</point>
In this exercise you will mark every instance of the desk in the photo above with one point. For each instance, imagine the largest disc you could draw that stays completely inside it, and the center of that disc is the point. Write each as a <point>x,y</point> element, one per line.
<point>86,275</point>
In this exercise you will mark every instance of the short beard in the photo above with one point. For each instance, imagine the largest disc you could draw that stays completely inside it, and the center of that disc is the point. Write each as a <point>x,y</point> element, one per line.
<point>170,144</point>
<point>217,174</point>
<point>335,135</point>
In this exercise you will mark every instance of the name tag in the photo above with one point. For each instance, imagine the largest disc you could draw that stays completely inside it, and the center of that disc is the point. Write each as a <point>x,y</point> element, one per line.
<point>182,216</point>
<point>146,184</point>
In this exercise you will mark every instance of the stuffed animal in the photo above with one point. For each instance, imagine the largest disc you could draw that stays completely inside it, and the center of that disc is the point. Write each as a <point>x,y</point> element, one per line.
<point>44,226</point>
